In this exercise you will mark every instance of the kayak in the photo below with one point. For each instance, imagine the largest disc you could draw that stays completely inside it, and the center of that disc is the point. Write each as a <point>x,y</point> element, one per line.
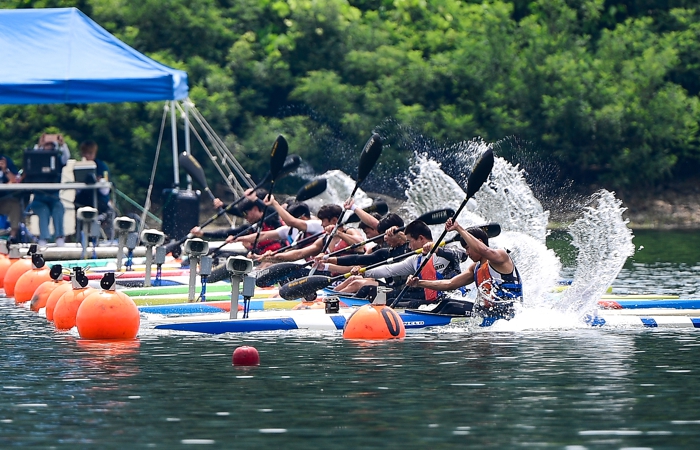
<point>319,320</point>
<point>218,302</point>
<point>315,319</point>
<point>140,275</point>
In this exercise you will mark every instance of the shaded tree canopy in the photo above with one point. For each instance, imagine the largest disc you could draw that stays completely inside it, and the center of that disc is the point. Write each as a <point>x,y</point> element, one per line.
<point>607,90</point>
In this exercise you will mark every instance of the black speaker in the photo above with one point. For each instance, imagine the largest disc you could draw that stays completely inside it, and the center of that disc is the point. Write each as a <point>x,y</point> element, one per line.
<point>180,212</point>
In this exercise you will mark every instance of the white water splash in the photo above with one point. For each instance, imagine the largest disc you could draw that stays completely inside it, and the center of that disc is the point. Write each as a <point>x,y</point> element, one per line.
<point>338,189</point>
<point>523,223</point>
<point>604,243</point>
<point>508,200</point>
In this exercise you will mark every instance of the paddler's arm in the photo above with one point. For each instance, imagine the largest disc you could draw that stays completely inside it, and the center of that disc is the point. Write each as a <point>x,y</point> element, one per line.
<point>349,235</point>
<point>270,235</point>
<point>450,284</point>
<point>287,218</point>
<point>334,268</point>
<point>497,257</point>
<point>364,216</point>
<point>301,253</point>
<point>397,269</point>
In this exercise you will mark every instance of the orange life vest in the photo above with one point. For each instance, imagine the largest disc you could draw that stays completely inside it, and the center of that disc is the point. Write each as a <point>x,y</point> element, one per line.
<point>429,273</point>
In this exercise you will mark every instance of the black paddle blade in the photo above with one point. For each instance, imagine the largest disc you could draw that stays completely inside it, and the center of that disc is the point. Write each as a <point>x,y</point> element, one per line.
<point>480,173</point>
<point>379,207</point>
<point>278,156</point>
<point>276,273</point>
<point>291,164</point>
<point>369,156</point>
<point>312,189</point>
<point>491,229</point>
<point>304,286</point>
<point>437,217</point>
<point>193,169</point>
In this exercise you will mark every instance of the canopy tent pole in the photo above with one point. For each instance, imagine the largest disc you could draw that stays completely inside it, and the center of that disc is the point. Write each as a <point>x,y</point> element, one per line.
<point>176,152</point>
<point>147,205</point>
<point>186,118</point>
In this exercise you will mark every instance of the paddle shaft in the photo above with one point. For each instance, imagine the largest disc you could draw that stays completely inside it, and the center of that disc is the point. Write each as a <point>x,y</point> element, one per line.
<point>220,213</point>
<point>295,288</point>
<point>299,243</point>
<point>243,232</point>
<point>337,225</point>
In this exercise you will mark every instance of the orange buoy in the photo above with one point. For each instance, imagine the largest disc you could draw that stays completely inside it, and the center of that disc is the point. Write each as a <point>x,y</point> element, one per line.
<point>67,307</point>
<point>375,322</point>
<point>54,297</point>
<point>41,294</point>
<point>78,283</point>
<point>108,314</point>
<point>5,263</point>
<point>29,281</point>
<point>15,271</point>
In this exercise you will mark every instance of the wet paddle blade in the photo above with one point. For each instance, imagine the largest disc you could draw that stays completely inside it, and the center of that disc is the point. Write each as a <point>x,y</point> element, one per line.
<point>219,273</point>
<point>480,173</point>
<point>437,217</point>
<point>278,156</point>
<point>193,169</point>
<point>276,273</point>
<point>369,156</point>
<point>291,164</point>
<point>491,229</point>
<point>304,286</point>
<point>312,189</point>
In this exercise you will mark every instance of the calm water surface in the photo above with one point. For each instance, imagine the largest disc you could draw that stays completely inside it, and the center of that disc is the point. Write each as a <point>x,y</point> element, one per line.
<point>451,388</point>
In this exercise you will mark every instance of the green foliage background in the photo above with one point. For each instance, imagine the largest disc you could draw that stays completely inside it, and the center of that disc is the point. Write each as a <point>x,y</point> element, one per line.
<point>606,89</point>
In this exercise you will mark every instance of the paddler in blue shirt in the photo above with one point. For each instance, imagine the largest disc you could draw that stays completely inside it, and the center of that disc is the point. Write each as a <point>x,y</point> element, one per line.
<point>497,280</point>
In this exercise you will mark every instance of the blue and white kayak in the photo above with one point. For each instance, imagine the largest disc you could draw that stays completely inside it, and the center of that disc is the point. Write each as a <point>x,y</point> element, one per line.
<point>319,320</point>
<point>625,303</point>
<point>314,319</point>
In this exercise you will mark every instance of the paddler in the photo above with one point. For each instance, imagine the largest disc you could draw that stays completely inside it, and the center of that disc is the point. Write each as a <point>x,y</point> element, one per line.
<point>497,280</point>
<point>344,237</point>
<point>396,243</point>
<point>444,263</point>
<point>298,223</point>
<point>251,209</point>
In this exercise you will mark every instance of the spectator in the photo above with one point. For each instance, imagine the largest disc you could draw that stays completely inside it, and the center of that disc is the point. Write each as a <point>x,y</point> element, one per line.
<point>86,197</point>
<point>47,204</point>
<point>9,204</point>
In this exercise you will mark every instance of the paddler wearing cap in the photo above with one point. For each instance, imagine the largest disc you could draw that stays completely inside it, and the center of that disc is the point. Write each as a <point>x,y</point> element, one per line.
<point>497,280</point>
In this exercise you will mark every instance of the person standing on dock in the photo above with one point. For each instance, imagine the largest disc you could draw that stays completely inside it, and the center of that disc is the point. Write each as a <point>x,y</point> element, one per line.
<point>10,205</point>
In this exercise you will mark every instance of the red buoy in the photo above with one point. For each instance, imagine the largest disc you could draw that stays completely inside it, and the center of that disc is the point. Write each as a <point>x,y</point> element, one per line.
<point>246,356</point>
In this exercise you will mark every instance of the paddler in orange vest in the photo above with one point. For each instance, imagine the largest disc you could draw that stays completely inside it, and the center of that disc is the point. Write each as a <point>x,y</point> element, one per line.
<point>443,264</point>
<point>497,279</point>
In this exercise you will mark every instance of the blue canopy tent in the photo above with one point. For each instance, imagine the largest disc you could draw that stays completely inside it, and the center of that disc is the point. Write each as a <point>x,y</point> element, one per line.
<point>59,55</point>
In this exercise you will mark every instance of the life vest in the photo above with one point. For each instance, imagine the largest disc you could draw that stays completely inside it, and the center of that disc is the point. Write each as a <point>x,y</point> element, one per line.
<point>268,245</point>
<point>494,287</point>
<point>429,273</point>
